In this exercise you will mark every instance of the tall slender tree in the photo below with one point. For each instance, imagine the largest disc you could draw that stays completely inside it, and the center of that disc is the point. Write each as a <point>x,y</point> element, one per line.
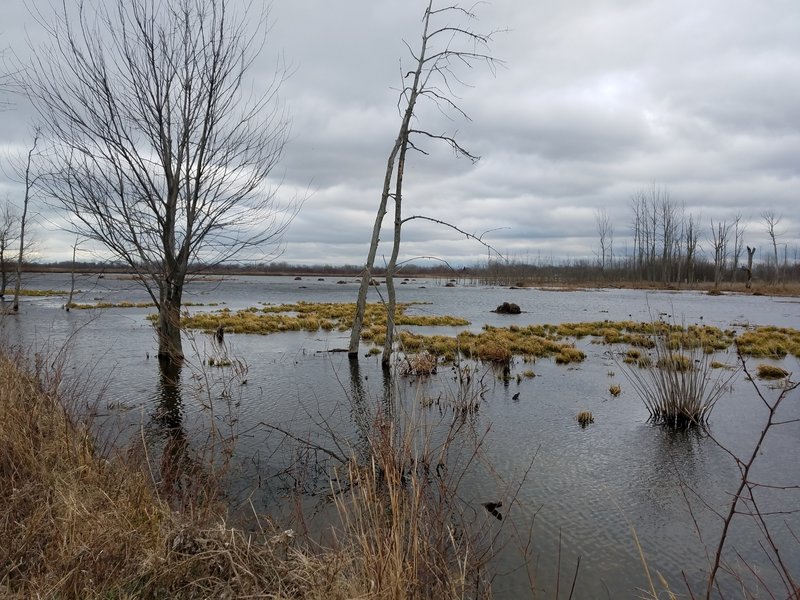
<point>771,222</point>
<point>443,46</point>
<point>28,178</point>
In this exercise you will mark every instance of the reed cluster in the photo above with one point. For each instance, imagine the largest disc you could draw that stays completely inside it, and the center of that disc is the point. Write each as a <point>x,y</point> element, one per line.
<point>678,384</point>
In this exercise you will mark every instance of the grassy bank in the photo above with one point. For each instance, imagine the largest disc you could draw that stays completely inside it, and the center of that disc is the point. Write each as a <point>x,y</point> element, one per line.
<point>78,523</point>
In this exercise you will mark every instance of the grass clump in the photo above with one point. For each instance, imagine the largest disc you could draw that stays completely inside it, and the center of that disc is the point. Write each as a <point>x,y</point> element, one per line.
<point>769,342</point>
<point>680,388</point>
<point>615,389</point>
<point>569,354</point>
<point>585,418</point>
<point>764,371</point>
<point>634,356</point>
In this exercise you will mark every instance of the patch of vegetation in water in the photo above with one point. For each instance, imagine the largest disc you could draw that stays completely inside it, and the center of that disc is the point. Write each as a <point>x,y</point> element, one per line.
<point>93,305</point>
<point>764,371</point>
<point>309,316</point>
<point>769,342</point>
<point>25,292</point>
<point>126,304</point>
<point>497,344</point>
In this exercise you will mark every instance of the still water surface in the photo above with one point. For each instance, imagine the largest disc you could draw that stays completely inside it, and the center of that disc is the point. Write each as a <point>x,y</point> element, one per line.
<point>591,488</point>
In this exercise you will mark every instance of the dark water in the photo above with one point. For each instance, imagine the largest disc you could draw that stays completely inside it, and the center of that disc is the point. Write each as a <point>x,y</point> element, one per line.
<point>591,488</point>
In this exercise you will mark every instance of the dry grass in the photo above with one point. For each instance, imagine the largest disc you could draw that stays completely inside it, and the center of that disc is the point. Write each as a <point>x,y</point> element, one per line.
<point>96,305</point>
<point>585,418</point>
<point>27,292</point>
<point>409,535</point>
<point>77,524</point>
<point>423,363</point>
<point>614,389</point>
<point>769,342</point>
<point>764,371</point>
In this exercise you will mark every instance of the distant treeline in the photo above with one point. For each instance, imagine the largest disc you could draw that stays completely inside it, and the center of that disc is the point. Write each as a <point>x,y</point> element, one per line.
<point>624,270</point>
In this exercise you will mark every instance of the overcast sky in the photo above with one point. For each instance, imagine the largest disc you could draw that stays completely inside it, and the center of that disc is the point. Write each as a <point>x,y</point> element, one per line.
<point>596,101</point>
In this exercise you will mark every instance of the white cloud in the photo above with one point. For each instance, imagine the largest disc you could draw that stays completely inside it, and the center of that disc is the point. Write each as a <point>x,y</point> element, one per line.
<point>597,99</point>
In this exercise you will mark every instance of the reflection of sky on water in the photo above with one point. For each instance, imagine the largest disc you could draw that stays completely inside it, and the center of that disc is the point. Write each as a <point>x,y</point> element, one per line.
<point>589,486</point>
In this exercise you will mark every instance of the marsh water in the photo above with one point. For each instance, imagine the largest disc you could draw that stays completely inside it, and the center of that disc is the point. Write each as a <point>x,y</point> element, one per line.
<point>591,492</point>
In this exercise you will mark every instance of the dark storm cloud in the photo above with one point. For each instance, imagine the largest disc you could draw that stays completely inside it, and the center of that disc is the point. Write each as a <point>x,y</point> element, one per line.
<point>597,100</point>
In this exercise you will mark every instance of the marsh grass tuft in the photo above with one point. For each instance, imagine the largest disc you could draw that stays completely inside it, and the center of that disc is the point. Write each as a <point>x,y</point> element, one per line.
<point>764,371</point>
<point>585,418</point>
<point>615,390</point>
<point>681,388</point>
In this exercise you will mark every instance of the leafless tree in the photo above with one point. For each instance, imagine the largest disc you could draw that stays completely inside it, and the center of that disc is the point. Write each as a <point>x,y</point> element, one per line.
<point>27,176</point>
<point>690,239</point>
<point>656,220</point>
<point>605,230</point>
<point>719,244</point>
<point>443,47</point>
<point>771,221</point>
<point>74,265</point>
<point>738,244</point>
<point>669,229</point>
<point>9,234</point>
<point>158,151</point>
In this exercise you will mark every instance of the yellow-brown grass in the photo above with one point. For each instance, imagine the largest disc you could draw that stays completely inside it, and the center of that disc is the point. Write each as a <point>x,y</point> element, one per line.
<point>764,371</point>
<point>308,316</point>
<point>585,418</point>
<point>78,525</point>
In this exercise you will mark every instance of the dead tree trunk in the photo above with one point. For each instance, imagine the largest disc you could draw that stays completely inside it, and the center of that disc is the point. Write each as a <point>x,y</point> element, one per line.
<point>749,268</point>
<point>23,220</point>
<point>431,80</point>
<point>390,270</point>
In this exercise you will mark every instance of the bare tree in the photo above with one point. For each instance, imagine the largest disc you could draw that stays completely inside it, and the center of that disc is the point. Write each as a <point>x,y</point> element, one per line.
<point>431,79</point>
<point>719,243</point>
<point>9,234</point>
<point>669,222</point>
<point>27,176</point>
<point>157,151</point>
<point>74,265</point>
<point>690,239</point>
<point>738,244</point>
<point>771,221</point>
<point>605,231</point>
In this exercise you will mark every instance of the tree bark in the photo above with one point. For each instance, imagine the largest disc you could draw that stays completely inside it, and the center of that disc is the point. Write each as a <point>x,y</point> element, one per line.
<point>169,323</point>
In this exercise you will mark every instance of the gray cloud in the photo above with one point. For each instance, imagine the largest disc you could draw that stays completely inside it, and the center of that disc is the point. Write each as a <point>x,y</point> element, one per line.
<point>596,100</point>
